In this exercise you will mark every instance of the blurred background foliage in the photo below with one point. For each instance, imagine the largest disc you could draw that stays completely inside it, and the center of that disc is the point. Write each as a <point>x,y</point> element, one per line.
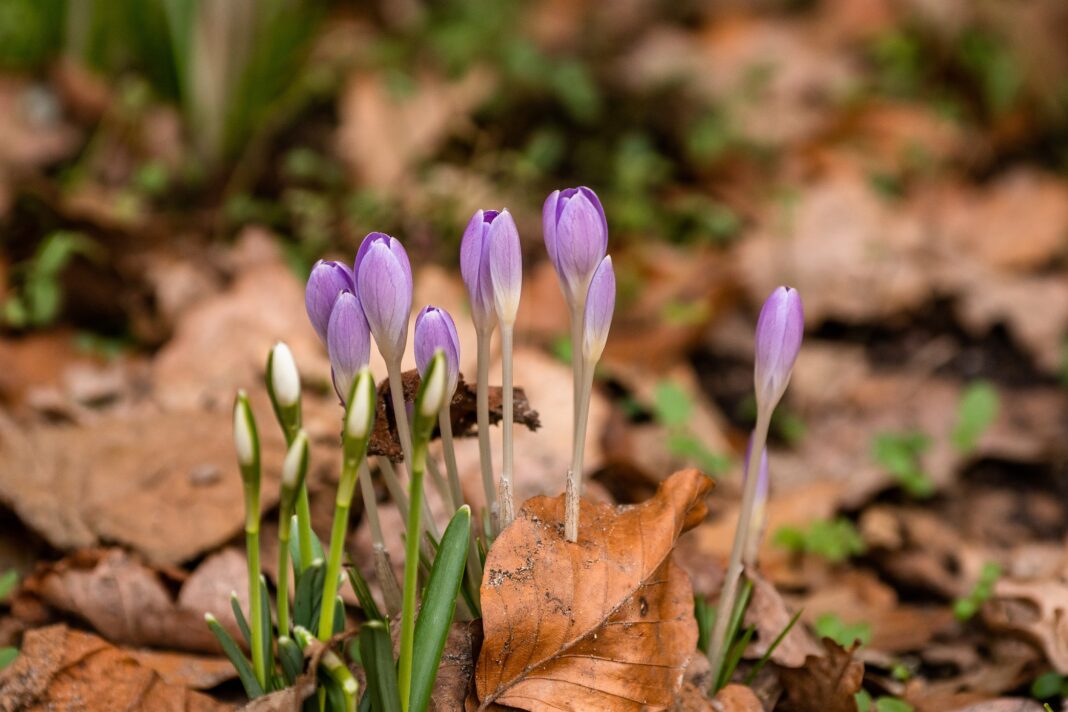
<point>536,95</point>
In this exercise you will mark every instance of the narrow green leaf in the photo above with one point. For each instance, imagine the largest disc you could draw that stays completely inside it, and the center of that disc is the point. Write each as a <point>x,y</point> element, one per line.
<point>978,409</point>
<point>771,648</point>
<point>363,594</point>
<point>291,657</point>
<point>266,628</point>
<point>439,604</point>
<point>730,664</point>
<point>7,656</point>
<point>376,651</point>
<point>705,615</point>
<point>308,597</point>
<point>237,658</point>
<point>242,622</point>
<point>8,581</point>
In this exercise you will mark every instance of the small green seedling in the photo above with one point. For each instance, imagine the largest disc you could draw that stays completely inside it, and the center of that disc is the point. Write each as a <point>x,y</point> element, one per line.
<point>965,608</point>
<point>899,454</point>
<point>845,634</point>
<point>40,293</point>
<point>673,408</point>
<point>977,411</point>
<point>833,539</point>
<point>865,703</point>
<point>1049,685</point>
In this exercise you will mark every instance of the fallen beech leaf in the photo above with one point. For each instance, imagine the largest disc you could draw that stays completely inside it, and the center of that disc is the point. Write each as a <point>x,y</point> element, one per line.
<point>127,603</point>
<point>453,683</point>
<point>824,683</point>
<point>1038,609</point>
<point>197,672</point>
<point>605,623</point>
<point>59,668</point>
<point>738,698</point>
<point>770,615</point>
<point>1008,704</point>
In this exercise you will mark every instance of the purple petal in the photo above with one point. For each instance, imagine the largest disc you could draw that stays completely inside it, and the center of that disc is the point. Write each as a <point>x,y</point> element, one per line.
<point>435,329</point>
<point>779,330</point>
<point>506,266</point>
<point>384,284</point>
<point>474,268</point>
<point>326,280</point>
<point>581,242</point>
<point>548,224</point>
<point>348,342</point>
<point>600,305</point>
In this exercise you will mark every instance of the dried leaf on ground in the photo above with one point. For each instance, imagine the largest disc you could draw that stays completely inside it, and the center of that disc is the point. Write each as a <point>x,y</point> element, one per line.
<point>164,484</point>
<point>603,623</point>
<point>737,698</point>
<point>1013,704</point>
<point>59,668</point>
<point>127,603</point>
<point>453,683</point>
<point>1036,609</point>
<point>770,615</point>
<point>197,672</point>
<point>825,683</point>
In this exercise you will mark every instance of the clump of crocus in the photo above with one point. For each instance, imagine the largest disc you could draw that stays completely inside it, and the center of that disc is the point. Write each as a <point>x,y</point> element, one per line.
<point>778,340</point>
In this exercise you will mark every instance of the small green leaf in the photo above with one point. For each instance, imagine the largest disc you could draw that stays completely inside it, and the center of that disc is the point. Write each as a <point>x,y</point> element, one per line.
<point>291,658</point>
<point>363,594</point>
<point>8,581</point>
<point>863,700</point>
<point>705,615</point>
<point>439,604</point>
<point>977,411</point>
<point>7,656</point>
<point>376,652</point>
<point>892,704</point>
<point>307,600</point>
<point>771,648</point>
<point>672,406</point>
<point>831,626</point>
<point>237,658</point>
<point>1047,685</point>
<point>242,622</point>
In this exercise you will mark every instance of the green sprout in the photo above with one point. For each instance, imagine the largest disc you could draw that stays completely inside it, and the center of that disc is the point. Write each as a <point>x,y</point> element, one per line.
<point>845,634</point>
<point>673,408</point>
<point>966,607</point>
<point>977,411</point>
<point>833,539</point>
<point>900,455</point>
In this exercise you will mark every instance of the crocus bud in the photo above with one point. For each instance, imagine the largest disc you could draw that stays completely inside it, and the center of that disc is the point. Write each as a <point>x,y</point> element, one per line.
<point>778,340</point>
<point>760,501</point>
<point>284,378</point>
<point>432,388</point>
<point>294,468</point>
<point>576,237</point>
<point>435,329</point>
<point>384,285</point>
<point>326,281</point>
<point>475,268</point>
<point>600,304</point>
<point>246,441</point>
<point>506,267</point>
<point>348,342</point>
<point>360,415</point>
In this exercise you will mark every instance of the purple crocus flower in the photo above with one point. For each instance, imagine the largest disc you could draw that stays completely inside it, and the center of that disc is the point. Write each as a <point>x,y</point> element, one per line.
<point>348,341</point>
<point>384,286</point>
<point>576,237</point>
<point>475,267</point>
<point>327,280</point>
<point>506,266</point>
<point>778,341</point>
<point>435,329</point>
<point>600,304</point>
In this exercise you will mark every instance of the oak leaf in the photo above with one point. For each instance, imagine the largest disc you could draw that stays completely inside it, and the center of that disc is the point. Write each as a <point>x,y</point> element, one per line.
<point>604,623</point>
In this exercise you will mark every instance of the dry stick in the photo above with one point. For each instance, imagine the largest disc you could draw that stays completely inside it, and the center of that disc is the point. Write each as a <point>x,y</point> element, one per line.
<point>729,593</point>
<point>574,475</point>
<point>387,580</point>
<point>482,402</point>
<point>507,454</point>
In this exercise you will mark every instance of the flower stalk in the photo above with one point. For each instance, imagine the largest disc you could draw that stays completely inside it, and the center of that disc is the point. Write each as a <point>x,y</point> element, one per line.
<point>294,471</point>
<point>247,443</point>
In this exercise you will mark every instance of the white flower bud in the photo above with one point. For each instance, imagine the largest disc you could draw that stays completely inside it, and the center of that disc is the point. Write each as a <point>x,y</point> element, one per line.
<point>285,380</point>
<point>434,392</point>
<point>296,461</point>
<point>361,413</point>
<point>244,441</point>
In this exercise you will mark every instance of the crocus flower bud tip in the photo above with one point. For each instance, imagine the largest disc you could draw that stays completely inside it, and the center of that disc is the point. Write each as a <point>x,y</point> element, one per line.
<point>475,268</point>
<point>348,342</point>
<point>600,305</point>
<point>576,238</point>
<point>779,330</point>
<point>285,380</point>
<point>506,267</point>
<point>384,285</point>
<point>435,329</point>
<point>244,435</point>
<point>327,280</point>
<point>361,412</point>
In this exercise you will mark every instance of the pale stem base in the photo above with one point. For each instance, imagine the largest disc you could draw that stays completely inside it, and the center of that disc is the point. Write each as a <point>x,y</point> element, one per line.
<point>574,475</point>
<point>485,452</point>
<point>507,406</point>
<point>448,449</point>
<point>387,580</point>
<point>729,593</point>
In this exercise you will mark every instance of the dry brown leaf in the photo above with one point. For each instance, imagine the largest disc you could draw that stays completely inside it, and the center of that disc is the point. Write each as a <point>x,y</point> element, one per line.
<point>769,614</point>
<point>197,672</point>
<point>605,623</point>
<point>58,668</point>
<point>453,683</point>
<point>1037,609</point>
<point>824,683</point>
<point>1008,704</point>
<point>737,698</point>
<point>128,603</point>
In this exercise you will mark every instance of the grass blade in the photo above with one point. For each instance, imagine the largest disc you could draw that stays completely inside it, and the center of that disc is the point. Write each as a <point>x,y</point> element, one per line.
<point>237,658</point>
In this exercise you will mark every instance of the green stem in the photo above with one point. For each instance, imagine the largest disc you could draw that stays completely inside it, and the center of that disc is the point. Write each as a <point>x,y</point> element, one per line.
<point>282,603</point>
<point>729,592</point>
<point>345,489</point>
<point>252,544</point>
<point>485,452</point>
<point>304,528</point>
<point>574,475</point>
<point>411,574</point>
